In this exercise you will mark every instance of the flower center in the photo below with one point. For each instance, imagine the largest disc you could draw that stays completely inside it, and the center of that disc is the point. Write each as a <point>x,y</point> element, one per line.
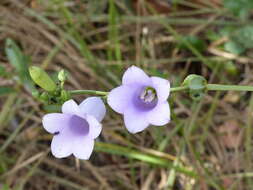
<point>146,99</point>
<point>78,125</point>
<point>148,95</point>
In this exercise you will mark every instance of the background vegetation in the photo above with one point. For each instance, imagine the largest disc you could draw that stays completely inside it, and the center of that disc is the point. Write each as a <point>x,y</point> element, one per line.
<point>208,144</point>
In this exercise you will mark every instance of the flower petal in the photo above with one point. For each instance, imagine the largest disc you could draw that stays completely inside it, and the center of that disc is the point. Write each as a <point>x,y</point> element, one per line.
<point>162,87</point>
<point>93,106</point>
<point>95,127</point>
<point>135,121</point>
<point>135,75</point>
<point>70,107</point>
<point>160,115</point>
<point>55,122</point>
<point>83,147</point>
<point>120,98</point>
<point>61,146</point>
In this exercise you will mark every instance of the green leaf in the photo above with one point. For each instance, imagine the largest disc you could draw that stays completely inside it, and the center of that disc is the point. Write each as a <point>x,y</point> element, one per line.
<point>41,78</point>
<point>240,8</point>
<point>52,108</point>
<point>234,47</point>
<point>194,41</point>
<point>244,36</point>
<point>20,62</point>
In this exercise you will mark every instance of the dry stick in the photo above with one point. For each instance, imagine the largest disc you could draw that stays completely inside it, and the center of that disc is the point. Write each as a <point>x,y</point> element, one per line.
<point>5,110</point>
<point>32,170</point>
<point>96,173</point>
<point>148,182</point>
<point>70,172</point>
<point>229,56</point>
<point>16,131</point>
<point>59,180</point>
<point>24,164</point>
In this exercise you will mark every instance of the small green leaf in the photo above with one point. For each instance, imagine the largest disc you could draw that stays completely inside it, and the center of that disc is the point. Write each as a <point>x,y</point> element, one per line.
<point>20,62</point>
<point>52,108</point>
<point>240,8</point>
<point>194,41</point>
<point>244,36</point>
<point>234,47</point>
<point>41,78</point>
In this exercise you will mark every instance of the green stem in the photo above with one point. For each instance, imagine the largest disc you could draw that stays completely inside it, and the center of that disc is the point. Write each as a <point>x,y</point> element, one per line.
<point>179,88</point>
<point>217,87</point>
<point>89,92</point>
<point>220,87</point>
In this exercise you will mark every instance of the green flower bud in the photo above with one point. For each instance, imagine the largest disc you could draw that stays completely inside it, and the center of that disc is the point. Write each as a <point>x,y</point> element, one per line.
<point>41,78</point>
<point>62,75</point>
<point>196,85</point>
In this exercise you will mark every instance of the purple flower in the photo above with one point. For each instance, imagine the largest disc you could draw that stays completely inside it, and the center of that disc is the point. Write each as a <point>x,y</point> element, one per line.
<point>141,99</point>
<point>75,128</point>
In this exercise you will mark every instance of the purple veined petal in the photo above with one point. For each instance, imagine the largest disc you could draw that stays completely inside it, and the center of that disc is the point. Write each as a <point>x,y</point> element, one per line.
<point>83,147</point>
<point>160,115</point>
<point>55,122</point>
<point>135,75</point>
<point>135,121</point>
<point>70,107</point>
<point>120,98</point>
<point>162,87</point>
<point>61,145</point>
<point>95,127</point>
<point>93,106</point>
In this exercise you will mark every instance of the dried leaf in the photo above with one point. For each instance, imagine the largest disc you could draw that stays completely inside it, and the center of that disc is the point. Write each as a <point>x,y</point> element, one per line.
<point>230,134</point>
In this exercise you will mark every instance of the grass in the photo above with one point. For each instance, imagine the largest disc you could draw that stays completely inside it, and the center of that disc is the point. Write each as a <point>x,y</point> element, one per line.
<point>95,42</point>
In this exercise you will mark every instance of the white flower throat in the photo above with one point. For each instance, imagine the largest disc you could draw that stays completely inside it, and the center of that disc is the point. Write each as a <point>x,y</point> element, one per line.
<point>148,95</point>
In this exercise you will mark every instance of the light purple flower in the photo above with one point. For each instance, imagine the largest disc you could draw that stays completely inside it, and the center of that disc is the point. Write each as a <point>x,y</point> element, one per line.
<point>141,99</point>
<point>75,128</point>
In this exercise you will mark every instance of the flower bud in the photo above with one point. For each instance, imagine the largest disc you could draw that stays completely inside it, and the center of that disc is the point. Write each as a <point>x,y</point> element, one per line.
<point>196,85</point>
<point>62,75</point>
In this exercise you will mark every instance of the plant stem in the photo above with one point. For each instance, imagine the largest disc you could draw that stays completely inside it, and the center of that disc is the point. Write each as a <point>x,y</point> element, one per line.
<point>217,87</point>
<point>179,88</point>
<point>220,87</point>
<point>89,92</point>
